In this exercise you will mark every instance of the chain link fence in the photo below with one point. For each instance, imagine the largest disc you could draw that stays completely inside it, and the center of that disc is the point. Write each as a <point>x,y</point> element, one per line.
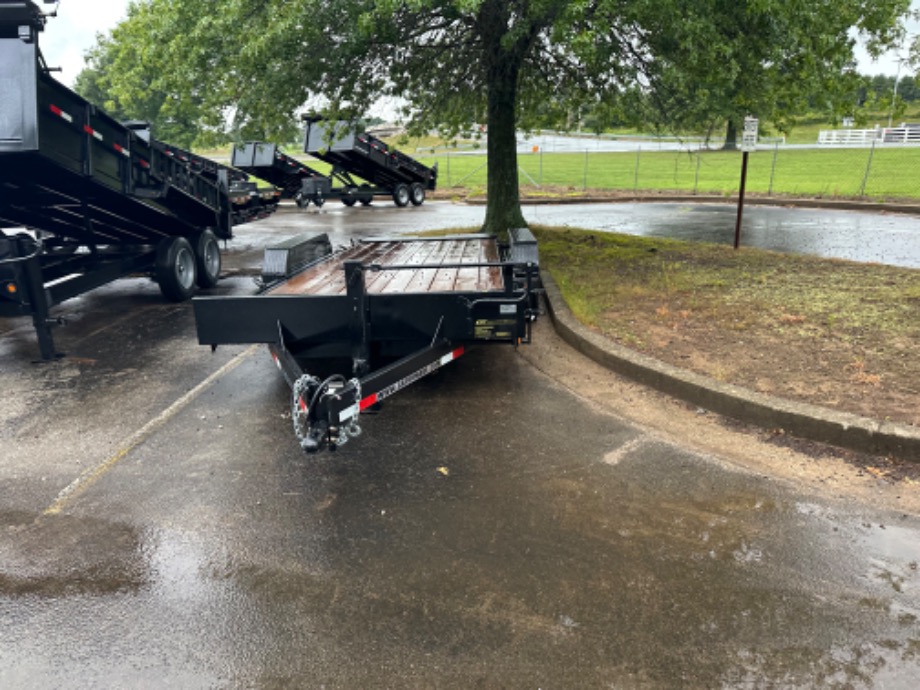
<point>879,171</point>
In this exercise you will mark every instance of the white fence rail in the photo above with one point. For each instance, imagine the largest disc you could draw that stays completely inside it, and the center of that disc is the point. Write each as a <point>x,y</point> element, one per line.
<point>902,134</point>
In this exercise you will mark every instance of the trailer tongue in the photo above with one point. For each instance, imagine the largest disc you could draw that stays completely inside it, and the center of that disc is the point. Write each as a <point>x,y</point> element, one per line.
<point>352,327</point>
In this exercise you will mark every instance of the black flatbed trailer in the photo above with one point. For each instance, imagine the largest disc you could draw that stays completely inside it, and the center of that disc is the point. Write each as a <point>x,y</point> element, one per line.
<point>349,328</point>
<point>85,199</point>
<point>366,166</point>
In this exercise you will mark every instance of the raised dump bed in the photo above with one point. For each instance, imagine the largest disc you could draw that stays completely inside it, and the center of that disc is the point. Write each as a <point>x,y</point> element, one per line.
<point>367,167</point>
<point>349,328</point>
<point>267,162</point>
<point>85,199</point>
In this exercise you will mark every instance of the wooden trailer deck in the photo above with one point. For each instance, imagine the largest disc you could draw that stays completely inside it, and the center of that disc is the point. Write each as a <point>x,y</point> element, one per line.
<point>328,277</point>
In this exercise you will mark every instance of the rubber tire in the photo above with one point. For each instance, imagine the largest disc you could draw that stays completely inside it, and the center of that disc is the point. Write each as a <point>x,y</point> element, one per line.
<point>207,259</point>
<point>319,201</point>
<point>401,195</point>
<point>175,268</point>
<point>417,194</point>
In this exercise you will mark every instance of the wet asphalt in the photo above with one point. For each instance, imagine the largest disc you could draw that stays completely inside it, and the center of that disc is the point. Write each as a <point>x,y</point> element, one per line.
<point>490,528</point>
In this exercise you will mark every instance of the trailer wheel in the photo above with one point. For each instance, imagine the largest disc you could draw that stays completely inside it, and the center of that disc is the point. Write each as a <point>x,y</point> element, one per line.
<point>207,259</point>
<point>319,201</point>
<point>401,195</point>
<point>175,268</point>
<point>417,194</point>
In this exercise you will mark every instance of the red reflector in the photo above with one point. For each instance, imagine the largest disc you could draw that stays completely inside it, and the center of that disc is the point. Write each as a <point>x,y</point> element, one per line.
<point>368,401</point>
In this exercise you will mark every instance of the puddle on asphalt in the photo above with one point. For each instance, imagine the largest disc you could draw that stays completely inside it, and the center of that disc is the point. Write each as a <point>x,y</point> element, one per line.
<point>62,555</point>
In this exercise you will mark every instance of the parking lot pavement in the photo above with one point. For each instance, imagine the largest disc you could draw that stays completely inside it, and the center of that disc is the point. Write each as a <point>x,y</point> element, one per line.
<point>500,523</point>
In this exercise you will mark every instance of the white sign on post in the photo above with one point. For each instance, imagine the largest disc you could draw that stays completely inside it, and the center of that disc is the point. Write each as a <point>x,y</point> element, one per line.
<point>749,135</point>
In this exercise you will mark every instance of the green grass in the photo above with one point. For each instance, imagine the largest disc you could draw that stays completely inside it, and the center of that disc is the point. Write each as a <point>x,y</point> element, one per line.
<point>883,173</point>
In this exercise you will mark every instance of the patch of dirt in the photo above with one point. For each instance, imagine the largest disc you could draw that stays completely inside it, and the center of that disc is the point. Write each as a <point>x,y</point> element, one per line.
<point>866,380</point>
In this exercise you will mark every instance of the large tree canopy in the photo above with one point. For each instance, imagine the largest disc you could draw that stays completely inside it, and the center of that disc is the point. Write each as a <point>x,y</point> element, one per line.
<point>245,67</point>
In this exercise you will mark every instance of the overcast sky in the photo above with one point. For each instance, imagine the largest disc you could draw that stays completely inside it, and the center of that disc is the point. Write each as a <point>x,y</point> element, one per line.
<point>73,31</point>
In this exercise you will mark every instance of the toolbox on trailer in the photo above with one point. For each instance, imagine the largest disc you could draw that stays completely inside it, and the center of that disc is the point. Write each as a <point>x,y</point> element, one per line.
<point>351,327</point>
<point>85,199</point>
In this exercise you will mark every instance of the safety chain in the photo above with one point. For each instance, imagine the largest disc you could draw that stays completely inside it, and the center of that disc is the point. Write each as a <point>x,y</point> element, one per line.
<point>352,429</point>
<point>300,413</point>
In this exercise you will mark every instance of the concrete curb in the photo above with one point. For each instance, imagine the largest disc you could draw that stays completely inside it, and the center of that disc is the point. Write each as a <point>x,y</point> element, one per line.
<point>798,419</point>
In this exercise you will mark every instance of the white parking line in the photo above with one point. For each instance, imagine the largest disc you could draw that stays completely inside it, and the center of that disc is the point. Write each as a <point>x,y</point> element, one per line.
<point>93,474</point>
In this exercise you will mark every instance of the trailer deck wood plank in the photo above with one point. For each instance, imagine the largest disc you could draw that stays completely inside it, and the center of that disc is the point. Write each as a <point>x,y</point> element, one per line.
<point>328,277</point>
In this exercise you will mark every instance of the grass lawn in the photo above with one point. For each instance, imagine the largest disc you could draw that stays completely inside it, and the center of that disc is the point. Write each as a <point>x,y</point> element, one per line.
<point>885,173</point>
<point>833,333</point>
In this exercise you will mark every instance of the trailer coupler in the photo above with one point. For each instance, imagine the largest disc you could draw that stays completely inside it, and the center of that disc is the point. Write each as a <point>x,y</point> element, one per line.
<point>310,397</point>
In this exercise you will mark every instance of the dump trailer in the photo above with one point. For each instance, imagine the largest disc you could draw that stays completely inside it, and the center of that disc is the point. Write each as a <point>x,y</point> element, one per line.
<point>86,199</point>
<point>350,327</point>
<point>296,181</point>
<point>357,156</point>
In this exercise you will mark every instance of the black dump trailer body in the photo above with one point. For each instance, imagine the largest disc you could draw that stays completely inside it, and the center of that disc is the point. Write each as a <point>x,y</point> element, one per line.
<point>295,180</point>
<point>98,199</point>
<point>354,154</point>
<point>349,328</point>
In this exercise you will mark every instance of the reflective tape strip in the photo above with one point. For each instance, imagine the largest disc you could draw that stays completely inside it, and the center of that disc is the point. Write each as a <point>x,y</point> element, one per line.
<point>60,113</point>
<point>374,398</point>
<point>90,130</point>
<point>122,150</point>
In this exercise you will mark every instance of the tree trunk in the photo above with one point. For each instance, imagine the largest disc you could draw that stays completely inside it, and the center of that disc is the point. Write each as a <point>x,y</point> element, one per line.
<point>503,208</point>
<point>731,137</point>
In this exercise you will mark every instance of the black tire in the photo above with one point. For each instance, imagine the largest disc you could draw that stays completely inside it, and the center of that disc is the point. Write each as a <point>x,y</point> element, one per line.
<point>401,195</point>
<point>349,196</point>
<point>175,268</point>
<point>207,259</point>
<point>417,194</point>
<point>319,201</point>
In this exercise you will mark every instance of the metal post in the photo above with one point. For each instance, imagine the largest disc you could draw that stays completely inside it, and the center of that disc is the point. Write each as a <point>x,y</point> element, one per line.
<point>636,178</point>
<point>744,166</point>
<point>585,184</point>
<point>358,321</point>
<point>862,189</point>
<point>773,169</point>
<point>696,178</point>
